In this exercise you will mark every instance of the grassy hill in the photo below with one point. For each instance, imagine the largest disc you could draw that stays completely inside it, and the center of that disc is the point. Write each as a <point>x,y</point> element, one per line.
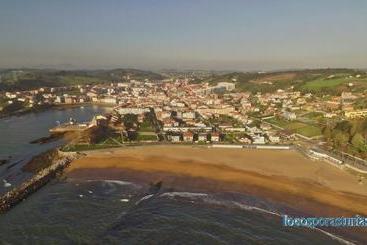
<point>323,81</point>
<point>337,83</point>
<point>33,78</point>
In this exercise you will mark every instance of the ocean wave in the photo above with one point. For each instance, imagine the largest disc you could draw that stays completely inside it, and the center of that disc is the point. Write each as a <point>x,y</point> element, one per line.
<point>117,182</point>
<point>261,210</point>
<point>253,208</point>
<point>144,198</point>
<point>210,200</point>
<point>184,194</point>
<point>334,237</point>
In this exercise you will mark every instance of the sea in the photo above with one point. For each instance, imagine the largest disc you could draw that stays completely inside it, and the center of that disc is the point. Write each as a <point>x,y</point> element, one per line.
<point>118,211</point>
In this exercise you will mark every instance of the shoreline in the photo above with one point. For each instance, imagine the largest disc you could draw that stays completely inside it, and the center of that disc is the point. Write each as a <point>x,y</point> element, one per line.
<point>50,107</point>
<point>24,112</point>
<point>285,177</point>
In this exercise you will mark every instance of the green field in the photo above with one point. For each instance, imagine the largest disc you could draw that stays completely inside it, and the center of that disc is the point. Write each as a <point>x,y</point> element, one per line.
<point>225,119</point>
<point>297,127</point>
<point>146,136</point>
<point>314,115</point>
<point>321,83</point>
<point>278,121</point>
<point>146,126</point>
<point>324,83</point>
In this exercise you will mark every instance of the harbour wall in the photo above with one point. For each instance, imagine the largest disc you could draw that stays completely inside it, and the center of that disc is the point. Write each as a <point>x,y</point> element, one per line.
<point>18,194</point>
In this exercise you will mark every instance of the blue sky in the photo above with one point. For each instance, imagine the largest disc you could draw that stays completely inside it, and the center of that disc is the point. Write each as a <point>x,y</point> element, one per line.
<point>187,34</point>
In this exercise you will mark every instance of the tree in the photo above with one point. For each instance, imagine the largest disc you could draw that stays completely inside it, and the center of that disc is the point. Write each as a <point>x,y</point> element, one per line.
<point>327,132</point>
<point>354,128</point>
<point>358,142</point>
<point>130,120</point>
<point>340,139</point>
<point>344,126</point>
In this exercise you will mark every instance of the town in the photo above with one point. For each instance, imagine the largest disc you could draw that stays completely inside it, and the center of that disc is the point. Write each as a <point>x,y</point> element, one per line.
<point>178,110</point>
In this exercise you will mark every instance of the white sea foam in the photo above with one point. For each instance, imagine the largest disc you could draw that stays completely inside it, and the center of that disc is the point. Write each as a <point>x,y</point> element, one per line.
<point>6,184</point>
<point>118,182</point>
<point>253,208</point>
<point>144,198</point>
<point>334,237</point>
<point>250,208</point>
<point>184,194</point>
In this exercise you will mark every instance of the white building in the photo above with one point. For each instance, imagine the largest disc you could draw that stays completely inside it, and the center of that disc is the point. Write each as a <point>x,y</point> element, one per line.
<point>188,115</point>
<point>202,137</point>
<point>260,140</point>
<point>109,100</point>
<point>132,110</point>
<point>175,138</point>
<point>227,86</point>
<point>215,137</point>
<point>289,115</point>
<point>274,139</point>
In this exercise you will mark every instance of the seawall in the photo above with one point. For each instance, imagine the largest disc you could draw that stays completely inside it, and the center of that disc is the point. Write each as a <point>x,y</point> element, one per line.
<point>18,194</point>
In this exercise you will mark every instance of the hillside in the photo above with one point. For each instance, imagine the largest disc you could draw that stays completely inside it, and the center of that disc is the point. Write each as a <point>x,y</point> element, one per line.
<point>33,78</point>
<point>320,81</point>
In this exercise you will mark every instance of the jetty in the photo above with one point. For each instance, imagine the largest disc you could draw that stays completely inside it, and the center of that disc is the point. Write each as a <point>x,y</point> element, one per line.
<point>18,194</point>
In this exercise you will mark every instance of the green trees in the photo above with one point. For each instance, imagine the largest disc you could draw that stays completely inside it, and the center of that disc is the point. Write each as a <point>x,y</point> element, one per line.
<point>359,142</point>
<point>130,121</point>
<point>327,132</point>
<point>13,107</point>
<point>348,136</point>
<point>340,139</point>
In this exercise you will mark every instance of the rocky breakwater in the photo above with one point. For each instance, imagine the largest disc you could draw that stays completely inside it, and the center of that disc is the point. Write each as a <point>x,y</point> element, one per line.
<point>57,162</point>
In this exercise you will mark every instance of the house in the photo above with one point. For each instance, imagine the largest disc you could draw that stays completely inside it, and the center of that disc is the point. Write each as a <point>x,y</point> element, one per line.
<point>109,100</point>
<point>188,115</point>
<point>274,139</point>
<point>355,114</point>
<point>175,138</point>
<point>202,137</point>
<point>69,100</point>
<point>188,136</point>
<point>245,140</point>
<point>215,137</point>
<point>59,99</point>
<point>260,140</point>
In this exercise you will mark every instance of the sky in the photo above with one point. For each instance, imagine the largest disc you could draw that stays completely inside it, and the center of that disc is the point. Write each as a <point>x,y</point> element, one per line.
<point>188,34</point>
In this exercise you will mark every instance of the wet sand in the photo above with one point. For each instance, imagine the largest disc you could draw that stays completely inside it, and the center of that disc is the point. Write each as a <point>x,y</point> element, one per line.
<point>282,176</point>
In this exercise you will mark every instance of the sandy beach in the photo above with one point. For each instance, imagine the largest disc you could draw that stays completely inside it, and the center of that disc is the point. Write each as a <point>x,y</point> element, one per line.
<point>282,176</point>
